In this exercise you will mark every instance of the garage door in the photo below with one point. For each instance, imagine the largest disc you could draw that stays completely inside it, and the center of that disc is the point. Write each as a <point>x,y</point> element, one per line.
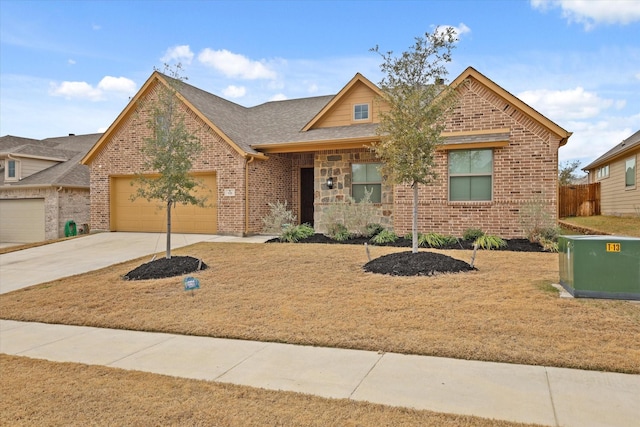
<point>141,215</point>
<point>21,220</point>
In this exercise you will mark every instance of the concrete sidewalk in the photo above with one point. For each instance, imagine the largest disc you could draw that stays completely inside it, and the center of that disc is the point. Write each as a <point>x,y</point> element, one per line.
<point>41,264</point>
<point>530,394</point>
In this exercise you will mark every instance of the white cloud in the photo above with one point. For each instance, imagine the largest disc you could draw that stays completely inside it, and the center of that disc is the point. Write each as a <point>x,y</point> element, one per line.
<point>75,90</point>
<point>71,62</point>
<point>180,53</point>
<point>235,65</point>
<point>591,140</point>
<point>117,84</point>
<point>83,90</point>
<point>278,97</point>
<point>96,27</point>
<point>313,88</point>
<point>234,91</point>
<point>566,105</point>
<point>593,12</point>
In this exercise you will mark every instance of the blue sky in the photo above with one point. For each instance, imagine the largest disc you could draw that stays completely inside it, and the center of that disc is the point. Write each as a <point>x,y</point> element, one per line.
<point>71,66</point>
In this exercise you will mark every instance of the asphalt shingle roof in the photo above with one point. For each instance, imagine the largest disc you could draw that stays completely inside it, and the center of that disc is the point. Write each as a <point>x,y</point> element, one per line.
<point>68,173</point>
<point>625,145</point>
<point>274,122</point>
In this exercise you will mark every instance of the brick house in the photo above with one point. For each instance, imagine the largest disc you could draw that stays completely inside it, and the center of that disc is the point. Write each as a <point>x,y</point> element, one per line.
<point>42,186</point>
<point>498,154</point>
<point>619,176</point>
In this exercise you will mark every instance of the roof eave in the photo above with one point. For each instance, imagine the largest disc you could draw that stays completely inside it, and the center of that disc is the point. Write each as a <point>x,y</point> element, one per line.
<point>308,146</point>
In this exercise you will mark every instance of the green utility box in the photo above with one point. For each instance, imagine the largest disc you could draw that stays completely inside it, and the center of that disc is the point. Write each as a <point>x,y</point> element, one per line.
<point>600,266</point>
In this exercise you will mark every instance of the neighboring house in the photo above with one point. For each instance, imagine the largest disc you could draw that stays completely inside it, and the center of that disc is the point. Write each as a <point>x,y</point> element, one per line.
<point>42,186</point>
<point>499,154</point>
<point>619,178</point>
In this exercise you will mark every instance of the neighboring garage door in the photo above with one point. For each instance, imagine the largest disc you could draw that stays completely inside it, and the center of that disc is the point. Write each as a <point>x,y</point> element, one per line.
<point>141,215</point>
<point>21,220</point>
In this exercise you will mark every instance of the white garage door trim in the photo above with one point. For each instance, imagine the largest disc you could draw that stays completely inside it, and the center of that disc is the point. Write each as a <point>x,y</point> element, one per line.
<point>22,220</point>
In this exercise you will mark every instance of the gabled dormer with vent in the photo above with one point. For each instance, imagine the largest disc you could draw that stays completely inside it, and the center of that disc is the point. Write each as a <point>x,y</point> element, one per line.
<point>356,104</point>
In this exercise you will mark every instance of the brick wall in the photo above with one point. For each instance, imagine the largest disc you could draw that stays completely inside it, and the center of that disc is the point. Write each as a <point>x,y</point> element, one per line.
<point>270,181</point>
<point>59,206</point>
<point>75,205</point>
<point>523,172</point>
<point>121,156</point>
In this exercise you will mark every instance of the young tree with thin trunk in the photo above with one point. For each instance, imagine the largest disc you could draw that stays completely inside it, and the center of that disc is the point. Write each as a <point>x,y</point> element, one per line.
<point>168,152</point>
<point>567,172</point>
<point>417,102</point>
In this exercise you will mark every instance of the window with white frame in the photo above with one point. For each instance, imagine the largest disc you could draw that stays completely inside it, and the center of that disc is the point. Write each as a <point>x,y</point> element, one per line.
<point>470,175</point>
<point>630,172</point>
<point>603,172</point>
<point>12,170</point>
<point>365,177</point>
<point>361,112</point>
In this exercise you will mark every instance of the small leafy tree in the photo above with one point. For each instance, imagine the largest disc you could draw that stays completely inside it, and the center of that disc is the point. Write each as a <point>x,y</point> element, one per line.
<point>567,172</point>
<point>417,100</point>
<point>169,151</point>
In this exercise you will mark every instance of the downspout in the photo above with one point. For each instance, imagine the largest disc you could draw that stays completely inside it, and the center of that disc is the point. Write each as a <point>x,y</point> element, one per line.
<point>248,161</point>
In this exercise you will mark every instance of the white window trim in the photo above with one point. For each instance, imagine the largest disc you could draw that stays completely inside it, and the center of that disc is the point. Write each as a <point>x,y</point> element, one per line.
<point>635,178</point>
<point>599,175</point>
<point>353,112</point>
<point>8,178</point>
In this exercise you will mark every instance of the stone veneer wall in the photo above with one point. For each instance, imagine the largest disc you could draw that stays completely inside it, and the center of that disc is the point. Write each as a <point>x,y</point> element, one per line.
<point>337,164</point>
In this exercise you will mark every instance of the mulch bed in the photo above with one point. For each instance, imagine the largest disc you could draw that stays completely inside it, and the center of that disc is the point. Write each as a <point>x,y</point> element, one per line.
<point>514,245</point>
<point>419,264</point>
<point>424,263</point>
<point>163,267</point>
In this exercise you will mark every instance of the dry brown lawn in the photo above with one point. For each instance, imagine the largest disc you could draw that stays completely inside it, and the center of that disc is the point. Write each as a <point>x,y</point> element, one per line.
<point>37,392</point>
<point>318,295</point>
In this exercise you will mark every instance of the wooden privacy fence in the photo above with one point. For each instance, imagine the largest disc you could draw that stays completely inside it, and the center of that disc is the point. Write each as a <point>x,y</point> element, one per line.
<point>579,200</point>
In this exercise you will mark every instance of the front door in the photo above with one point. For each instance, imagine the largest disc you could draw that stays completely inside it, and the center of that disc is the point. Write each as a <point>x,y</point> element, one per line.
<point>306,196</point>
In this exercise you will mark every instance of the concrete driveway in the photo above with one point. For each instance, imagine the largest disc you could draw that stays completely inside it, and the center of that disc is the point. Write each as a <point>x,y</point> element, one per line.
<point>75,256</point>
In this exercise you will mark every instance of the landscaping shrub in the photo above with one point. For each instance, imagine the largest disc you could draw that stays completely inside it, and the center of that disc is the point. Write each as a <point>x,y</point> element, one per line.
<point>338,231</point>
<point>536,220</point>
<point>373,229</point>
<point>278,218</point>
<point>434,240</point>
<point>472,234</point>
<point>355,216</point>
<point>488,241</point>
<point>295,233</point>
<point>385,236</point>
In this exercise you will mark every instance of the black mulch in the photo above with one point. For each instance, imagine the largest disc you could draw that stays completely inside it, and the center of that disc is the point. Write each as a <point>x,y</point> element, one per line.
<point>419,264</point>
<point>424,263</point>
<point>514,245</point>
<point>163,267</point>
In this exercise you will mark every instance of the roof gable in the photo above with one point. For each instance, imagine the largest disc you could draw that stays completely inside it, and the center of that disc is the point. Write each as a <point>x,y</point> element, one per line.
<point>229,117</point>
<point>514,101</point>
<point>359,89</point>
